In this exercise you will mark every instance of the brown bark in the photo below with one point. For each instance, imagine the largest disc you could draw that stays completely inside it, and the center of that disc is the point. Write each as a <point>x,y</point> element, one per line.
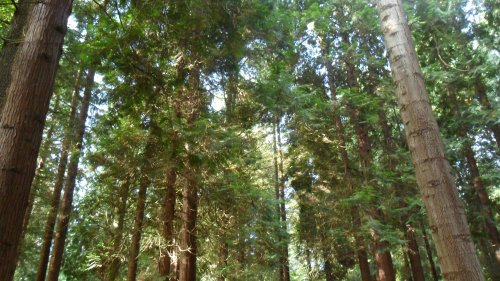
<point>23,118</point>
<point>428,249</point>
<point>58,186</point>
<point>44,154</point>
<point>417,272</point>
<point>114,267</point>
<point>168,215</point>
<point>138,222</point>
<point>328,267</point>
<point>13,40</point>
<point>477,182</point>
<point>70,183</point>
<point>480,90</point>
<point>187,262</point>
<point>446,214</point>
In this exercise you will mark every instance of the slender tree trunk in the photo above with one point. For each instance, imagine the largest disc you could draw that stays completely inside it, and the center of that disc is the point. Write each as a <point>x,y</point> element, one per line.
<point>278,197</point>
<point>486,105</point>
<point>282,207</point>
<point>15,37</point>
<point>362,256</point>
<point>67,202</point>
<point>168,215</point>
<point>383,259</point>
<point>417,272</point>
<point>477,182</point>
<point>23,118</point>
<point>187,266</point>
<point>428,249</point>
<point>446,214</point>
<point>58,186</point>
<point>138,222</point>
<point>114,267</point>
<point>411,242</point>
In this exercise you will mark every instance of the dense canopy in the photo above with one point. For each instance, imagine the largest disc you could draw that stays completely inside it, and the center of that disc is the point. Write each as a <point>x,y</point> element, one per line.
<point>250,140</point>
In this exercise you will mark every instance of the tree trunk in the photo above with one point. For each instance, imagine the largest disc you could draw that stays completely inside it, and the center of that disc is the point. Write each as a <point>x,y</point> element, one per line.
<point>360,249</point>
<point>114,267</point>
<point>328,267</point>
<point>383,259</point>
<point>282,206</point>
<point>428,249</point>
<point>187,266</point>
<point>70,183</point>
<point>58,186</point>
<point>44,154</point>
<point>138,222</point>
<point>278,197</point>
<point>446,214</point>
<point>23,117</point>
<point>477,182</point>
<point>480,89</point>
<point>167,219</point>
<point>417,272</point>
<point>15,37</point>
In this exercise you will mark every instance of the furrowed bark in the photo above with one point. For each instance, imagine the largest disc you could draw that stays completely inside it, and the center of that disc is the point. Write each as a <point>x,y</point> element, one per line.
<point>447,220</point>
<point>15,37</point>
<point>23,117</point>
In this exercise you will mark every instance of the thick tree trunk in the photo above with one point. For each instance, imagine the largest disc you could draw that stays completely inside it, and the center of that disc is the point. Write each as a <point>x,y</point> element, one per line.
<point>475,176</point>
<point>58,186</point>
<point>278,197</point>
<point>13,40</point>
<point>70,183</point>
<point>23,117</point>
<point>187,263</point>
<point>428,249</point>
<point>114,267</point>
<point>486,105</point>
<point>446,214</point>
<point>43,155</point>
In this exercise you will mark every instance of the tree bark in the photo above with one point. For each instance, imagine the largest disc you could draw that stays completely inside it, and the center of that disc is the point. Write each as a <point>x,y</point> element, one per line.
<point>187,265</point>
<point>23,118</point>
<point>114,267</point>
<point>446,214</point>
<point>58,186</point>
<point>44,154</point>
<point>15,37</point>
<point>138,222</point>
<point>417,272</point>
<point>70,183</point>
<point>167,220</point>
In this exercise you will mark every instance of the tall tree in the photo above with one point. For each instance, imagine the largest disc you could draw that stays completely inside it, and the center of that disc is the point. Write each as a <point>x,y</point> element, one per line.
<point>450,230</point>
<point>23,116</point>
<point>70,183</point>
